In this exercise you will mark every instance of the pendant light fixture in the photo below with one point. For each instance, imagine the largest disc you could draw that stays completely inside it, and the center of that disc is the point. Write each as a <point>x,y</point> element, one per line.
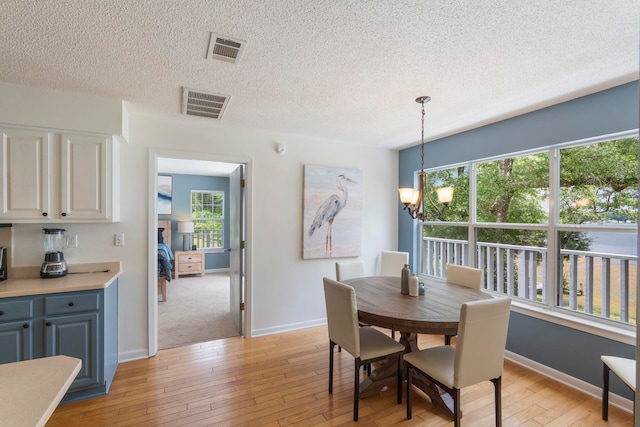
<point>413,200</point>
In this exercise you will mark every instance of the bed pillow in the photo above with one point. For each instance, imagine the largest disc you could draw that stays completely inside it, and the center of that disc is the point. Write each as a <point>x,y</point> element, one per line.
<point>160,238</point>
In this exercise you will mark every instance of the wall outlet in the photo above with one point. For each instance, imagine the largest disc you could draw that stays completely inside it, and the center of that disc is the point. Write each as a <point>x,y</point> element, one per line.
<point>119,239</point>
<point>72,241</point>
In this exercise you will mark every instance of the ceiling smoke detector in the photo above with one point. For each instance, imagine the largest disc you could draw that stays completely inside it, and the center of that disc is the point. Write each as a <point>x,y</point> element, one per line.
<point>203,104</point>
<point>224,48</point>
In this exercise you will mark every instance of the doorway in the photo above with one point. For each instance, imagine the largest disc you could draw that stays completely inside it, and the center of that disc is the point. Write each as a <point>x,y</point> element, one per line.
<point>217,286</point>
<point>196,310</point>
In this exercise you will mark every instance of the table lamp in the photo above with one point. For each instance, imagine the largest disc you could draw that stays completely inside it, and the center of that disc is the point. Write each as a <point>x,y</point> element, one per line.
<point>186,228</point>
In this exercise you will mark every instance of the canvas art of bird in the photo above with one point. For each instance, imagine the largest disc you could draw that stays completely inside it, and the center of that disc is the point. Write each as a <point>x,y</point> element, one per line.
<point>328,211</point>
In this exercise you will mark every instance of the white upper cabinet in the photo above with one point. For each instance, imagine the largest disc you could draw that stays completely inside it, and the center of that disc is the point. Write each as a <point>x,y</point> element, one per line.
<point>58,177</point>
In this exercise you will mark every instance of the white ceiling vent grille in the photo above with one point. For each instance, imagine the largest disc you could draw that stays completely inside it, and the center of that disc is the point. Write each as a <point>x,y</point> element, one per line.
<point>224,48</point>
<point>203,104</point>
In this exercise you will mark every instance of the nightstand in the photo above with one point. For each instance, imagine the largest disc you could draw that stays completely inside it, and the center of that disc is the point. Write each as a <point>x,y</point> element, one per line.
<point>189,262</point>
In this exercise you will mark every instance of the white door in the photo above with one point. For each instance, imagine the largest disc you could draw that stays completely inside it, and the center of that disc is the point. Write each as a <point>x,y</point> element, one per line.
<point>236,235</point>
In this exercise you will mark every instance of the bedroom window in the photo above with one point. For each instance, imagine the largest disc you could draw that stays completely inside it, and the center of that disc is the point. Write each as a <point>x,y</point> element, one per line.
<point>207,214</point>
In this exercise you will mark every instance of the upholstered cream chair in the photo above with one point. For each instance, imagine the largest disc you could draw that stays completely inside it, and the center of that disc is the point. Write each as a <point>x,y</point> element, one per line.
<point>478,354</point>
<point>346,270</point>
<point>391,263</point>
<point>365,344</point>
<point>625,369</point>
<point>464,276</point>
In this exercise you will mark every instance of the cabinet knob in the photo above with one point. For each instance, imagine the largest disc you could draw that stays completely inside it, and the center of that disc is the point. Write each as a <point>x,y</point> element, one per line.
<point>71,304</point>
<point>26,326</point>
<point>63,214</point>
<point>44,214</point>
<point>48,324</point>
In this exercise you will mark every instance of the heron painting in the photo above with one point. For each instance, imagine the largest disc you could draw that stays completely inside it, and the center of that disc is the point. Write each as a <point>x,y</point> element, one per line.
<point>332,225</point>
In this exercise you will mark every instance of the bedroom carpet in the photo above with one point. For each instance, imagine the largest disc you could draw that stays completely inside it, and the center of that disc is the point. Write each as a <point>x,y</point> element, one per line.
<point>196,310</point>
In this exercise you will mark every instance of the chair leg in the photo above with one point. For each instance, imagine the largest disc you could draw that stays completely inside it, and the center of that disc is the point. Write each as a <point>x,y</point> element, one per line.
<point>399,378</point>
<point>331,345</point>
<point>393,333</point>
<point>409,381</point>
<point>456,407</point>
<point>605,392</point>
<point>497,385</point>
<point>447,339</point>
<point>356,390</point>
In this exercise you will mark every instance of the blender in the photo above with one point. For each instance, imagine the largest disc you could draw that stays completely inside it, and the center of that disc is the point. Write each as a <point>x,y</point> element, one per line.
<point>54,264</point>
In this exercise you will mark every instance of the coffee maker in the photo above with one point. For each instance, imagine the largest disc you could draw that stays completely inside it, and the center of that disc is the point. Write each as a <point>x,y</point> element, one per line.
<point>54,264</point>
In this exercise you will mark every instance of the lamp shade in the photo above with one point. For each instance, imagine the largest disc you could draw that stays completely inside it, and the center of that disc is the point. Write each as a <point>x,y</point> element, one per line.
<point>409,195</point>
<point>185,227</point>
<point>445,194</point>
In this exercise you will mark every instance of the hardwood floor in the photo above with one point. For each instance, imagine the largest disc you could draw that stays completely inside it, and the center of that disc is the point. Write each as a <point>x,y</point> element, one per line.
<point>282,380</point>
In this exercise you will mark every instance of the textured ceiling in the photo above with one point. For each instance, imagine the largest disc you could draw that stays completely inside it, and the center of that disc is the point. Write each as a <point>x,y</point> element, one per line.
<point>346,70</point>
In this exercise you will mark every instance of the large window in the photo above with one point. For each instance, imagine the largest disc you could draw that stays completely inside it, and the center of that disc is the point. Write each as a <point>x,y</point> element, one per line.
<point>556,228</point>
<point>207,214</point>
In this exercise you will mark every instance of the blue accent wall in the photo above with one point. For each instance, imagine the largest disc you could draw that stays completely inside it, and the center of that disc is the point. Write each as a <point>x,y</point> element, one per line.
<point>181,211</point>
<point>614,110</point>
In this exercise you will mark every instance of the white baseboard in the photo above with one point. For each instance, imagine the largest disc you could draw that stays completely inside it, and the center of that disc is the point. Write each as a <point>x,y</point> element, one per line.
<point>561,377</point>
<point>133,355</point>
<point>216,270</point>
<point>287,328</point>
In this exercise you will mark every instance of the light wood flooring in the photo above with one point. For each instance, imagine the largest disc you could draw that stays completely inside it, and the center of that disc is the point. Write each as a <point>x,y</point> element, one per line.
<point>281,380</point>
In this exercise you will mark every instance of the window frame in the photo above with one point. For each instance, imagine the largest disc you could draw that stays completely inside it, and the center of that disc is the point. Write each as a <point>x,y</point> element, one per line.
<point>220,220</point>
<point>548,310</point>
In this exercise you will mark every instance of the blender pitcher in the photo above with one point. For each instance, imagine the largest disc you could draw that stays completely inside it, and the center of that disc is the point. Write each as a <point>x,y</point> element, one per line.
<point>54,264</point>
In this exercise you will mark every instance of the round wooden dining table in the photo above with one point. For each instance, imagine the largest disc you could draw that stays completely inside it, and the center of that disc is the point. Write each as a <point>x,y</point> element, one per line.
<point>380,303</point>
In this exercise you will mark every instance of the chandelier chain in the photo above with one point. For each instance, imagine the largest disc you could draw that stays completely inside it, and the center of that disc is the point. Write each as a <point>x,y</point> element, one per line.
<point>422,153</point>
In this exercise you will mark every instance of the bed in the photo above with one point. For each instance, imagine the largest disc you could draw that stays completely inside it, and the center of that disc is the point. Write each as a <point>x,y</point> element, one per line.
<point>165,257</point>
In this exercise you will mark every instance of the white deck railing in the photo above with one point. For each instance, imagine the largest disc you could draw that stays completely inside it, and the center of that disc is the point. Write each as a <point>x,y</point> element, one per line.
<point>207,238</point>
<point>600,284</point>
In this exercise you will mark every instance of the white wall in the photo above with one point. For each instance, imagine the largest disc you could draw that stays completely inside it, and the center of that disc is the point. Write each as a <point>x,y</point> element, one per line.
<point>286,291</point>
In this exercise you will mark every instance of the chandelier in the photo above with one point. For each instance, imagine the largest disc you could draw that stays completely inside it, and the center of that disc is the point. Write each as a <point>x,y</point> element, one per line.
<point>413,200</point>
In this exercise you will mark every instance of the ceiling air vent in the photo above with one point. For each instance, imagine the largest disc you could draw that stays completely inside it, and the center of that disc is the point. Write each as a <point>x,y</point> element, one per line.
<point>224,48</point>
<point>203,104</point>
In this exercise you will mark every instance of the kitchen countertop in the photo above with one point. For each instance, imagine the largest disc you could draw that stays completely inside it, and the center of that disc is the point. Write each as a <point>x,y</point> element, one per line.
<point>31,390</point>
<point>81,277</point>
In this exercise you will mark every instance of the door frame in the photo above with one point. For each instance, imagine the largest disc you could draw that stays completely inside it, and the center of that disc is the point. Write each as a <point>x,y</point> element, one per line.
<point>152,271</point>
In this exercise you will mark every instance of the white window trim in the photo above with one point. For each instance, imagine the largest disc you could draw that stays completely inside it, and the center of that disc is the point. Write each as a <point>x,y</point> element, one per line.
<point>615,333</point>
<point>215,249</point>
<point>547,311</point>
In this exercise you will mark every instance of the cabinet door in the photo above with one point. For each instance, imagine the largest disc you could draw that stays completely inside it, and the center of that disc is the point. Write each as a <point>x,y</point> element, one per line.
<point>16,341</point>
<point>25,174</point>
<point>76,336</point>
<point>85,177</point>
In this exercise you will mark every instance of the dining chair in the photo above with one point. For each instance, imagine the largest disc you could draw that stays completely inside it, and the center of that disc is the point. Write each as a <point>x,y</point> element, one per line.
<point>365,344</point>
<point>349,270</point>
<point>625,369</point>
<point>463,276</point>
<point>391,262</point>
<point>478,355</point>
<point>346,270</point>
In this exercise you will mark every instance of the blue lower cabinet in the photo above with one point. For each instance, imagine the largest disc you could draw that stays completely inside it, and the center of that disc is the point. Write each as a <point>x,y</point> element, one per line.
<point>16,341</point>
<point>81,324</point>
<point>76,336</point>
